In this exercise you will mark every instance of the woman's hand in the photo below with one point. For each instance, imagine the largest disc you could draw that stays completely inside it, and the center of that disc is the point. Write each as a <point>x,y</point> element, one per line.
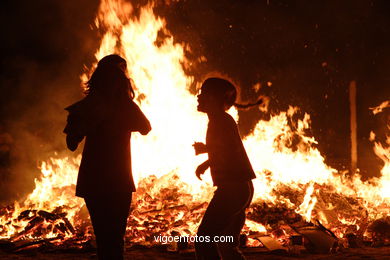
<point>199,148</point>
<point>201,169</point>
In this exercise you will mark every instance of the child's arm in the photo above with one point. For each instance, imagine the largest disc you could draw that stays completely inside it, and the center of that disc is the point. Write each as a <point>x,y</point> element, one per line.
<point>201,169</point>
<point>72,141</point>
<point>199,148</point>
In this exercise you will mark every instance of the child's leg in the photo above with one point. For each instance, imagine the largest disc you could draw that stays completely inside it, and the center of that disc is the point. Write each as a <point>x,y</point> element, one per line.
<point>230,250</point>
<point>228,202</point>
<point>212,224</point>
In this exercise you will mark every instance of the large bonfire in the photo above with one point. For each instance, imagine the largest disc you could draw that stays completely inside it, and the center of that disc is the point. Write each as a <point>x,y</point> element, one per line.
<point>293,183</point>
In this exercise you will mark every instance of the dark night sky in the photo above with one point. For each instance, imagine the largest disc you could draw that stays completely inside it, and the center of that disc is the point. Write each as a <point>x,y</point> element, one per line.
<point>310,51</point>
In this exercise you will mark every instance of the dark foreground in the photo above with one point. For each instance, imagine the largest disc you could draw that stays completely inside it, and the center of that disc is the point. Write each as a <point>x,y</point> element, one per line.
<point>251,254</point>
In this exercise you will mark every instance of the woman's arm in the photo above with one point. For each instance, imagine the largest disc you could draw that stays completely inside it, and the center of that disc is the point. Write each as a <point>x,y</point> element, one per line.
<point>139,121</point>
<point>74,130</point>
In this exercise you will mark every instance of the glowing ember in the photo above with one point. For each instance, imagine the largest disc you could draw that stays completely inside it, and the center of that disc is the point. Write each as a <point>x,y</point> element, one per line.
<point>381,107</point>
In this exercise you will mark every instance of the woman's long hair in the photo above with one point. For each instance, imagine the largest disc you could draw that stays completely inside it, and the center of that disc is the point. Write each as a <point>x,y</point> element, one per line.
<point>109,78</point>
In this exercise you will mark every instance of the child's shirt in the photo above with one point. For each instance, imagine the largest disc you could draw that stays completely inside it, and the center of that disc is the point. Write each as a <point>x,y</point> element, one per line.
<point>227,156</point>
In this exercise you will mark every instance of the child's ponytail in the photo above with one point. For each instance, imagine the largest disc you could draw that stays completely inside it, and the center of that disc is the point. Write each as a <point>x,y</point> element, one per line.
<point>226,93</point>
<point>259,102</point>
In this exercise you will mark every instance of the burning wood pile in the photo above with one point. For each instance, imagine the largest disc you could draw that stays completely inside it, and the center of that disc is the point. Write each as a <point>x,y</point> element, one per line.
<point>164,208</point>
<point>299,203</point>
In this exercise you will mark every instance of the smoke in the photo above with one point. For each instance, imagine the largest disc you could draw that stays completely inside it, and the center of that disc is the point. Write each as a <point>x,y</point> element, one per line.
<point>46,45</point>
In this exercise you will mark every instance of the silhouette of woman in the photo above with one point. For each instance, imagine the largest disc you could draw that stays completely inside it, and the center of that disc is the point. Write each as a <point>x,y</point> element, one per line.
<point>106,117</point>
<point>230,169</point>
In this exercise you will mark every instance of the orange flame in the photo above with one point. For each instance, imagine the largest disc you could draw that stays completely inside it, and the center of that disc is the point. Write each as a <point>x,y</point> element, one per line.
<point>282,154</point>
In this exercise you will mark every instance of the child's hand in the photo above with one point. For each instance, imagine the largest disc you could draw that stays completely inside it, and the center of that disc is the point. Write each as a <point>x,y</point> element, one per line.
<point>201,169</point>
<point>199,148</point>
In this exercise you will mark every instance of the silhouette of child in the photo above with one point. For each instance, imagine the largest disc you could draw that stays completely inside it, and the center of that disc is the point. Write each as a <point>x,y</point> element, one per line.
<point>106,117</point>
<point>230,168</point>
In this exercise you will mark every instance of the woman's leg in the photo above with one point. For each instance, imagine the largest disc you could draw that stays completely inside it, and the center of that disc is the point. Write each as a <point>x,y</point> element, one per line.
<point>109,219</point>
